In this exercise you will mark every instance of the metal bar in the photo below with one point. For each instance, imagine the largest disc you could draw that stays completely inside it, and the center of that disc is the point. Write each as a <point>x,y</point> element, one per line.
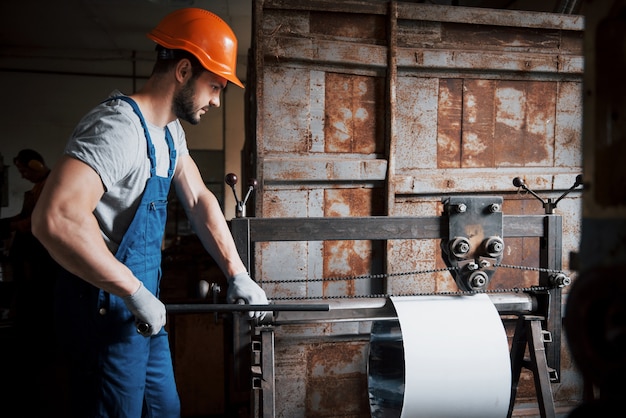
<point>233,307</point>
<point>540,368</point>
<point>390,106</point>
<point>376,309</point>
<point>518,348</point>
<point>241,235</point>
<point>248,230</point>
<point>268,398</point>
<point>353,228</point>
<point>551,257</point>
<point>390,115</point>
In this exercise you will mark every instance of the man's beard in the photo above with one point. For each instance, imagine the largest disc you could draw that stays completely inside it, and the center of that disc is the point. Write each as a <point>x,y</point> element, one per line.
<point>183,105</point>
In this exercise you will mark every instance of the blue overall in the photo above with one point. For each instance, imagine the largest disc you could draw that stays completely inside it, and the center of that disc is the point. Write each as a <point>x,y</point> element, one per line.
<point>115,371</point>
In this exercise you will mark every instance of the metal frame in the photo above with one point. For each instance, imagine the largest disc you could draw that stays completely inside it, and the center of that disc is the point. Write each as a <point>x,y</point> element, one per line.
<point>248,231</point>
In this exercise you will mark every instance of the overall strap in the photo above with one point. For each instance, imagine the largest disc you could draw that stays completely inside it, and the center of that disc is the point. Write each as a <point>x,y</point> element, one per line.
<point>151,150</point>
<point>170,145</point>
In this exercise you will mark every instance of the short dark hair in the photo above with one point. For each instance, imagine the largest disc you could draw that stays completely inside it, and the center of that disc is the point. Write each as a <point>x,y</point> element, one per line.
<point>168,58</point>
<point>27,155</point>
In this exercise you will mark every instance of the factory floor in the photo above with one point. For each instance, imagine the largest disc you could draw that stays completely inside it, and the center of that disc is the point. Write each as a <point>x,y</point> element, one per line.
<point>531,410</point>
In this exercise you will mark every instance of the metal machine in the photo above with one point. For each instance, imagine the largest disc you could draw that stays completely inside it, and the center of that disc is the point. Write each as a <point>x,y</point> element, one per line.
<point>473,233</point>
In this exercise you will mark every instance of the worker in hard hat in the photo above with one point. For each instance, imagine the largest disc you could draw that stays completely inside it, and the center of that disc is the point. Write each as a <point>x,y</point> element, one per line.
<point>102,217</point>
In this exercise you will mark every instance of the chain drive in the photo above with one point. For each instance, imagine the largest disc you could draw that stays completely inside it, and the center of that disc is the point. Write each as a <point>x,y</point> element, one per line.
<point>414,273</point>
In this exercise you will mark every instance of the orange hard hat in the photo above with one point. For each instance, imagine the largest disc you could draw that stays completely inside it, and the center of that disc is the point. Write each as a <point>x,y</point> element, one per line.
<point>203,34</point>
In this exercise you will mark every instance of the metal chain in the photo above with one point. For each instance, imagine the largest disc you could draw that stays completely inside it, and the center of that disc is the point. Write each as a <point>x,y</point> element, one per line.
<point>367,276</point>
<point>450,293</point>
<point>412,273</point>
<point>541,269</point>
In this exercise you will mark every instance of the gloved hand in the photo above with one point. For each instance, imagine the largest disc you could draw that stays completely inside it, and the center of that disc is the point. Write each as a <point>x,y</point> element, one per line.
<point>242,287</point>
<point>148,310</point>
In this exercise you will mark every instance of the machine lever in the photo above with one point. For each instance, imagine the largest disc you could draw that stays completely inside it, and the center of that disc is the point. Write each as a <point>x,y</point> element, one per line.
<point>142,327</point>
<point>548,204</point>
<point>235,307</point>
<point>231,180</point>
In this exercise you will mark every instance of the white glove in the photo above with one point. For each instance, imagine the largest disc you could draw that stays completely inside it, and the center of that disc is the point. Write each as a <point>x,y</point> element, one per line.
<point>148,310</point>
<point>242,287</point>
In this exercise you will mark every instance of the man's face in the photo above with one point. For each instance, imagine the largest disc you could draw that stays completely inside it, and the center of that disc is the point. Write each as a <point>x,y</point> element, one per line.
<point>27,173</point>
<point>197,95</point>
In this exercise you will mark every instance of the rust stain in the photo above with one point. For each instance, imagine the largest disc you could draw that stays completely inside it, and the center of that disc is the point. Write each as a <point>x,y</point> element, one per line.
<point>505,124</point>
<point>366,28</point>
<point>333,358</point>
<point>524,123</point>
<point>337,380</point>
<point>449,123</point>
<point>478,114</point>
<point>346,258</point>
<point>354,121</point>
<point>349,258</point>
<point>476,235</point>
<point>511,38</point>
<point>349,202</point>
<point>449,184</point>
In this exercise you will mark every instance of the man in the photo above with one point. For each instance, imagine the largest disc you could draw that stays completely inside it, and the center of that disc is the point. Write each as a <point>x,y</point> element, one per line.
<point>31,265</point>
<point>102,216</point>
<point>33,274</point>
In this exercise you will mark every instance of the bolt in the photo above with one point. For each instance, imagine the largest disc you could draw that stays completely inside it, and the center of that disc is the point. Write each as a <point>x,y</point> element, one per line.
<point>494,246</point>
<point>560,280</point>
<point>494,208</point>
<point>461,208</point>
<point>472,266</point>
<point>478,280</point>
<point>484,263</point>
<point>462,247</point>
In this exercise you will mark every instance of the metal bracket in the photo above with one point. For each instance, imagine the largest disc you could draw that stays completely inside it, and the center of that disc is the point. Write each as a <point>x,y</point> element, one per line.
<point>474,243</point>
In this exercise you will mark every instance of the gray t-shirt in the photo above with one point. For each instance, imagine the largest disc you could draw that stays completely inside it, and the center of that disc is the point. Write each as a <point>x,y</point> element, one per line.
<point>111,140</point>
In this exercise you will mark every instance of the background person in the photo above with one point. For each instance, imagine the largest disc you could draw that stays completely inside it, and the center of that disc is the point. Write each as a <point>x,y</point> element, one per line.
<point>33,273</point>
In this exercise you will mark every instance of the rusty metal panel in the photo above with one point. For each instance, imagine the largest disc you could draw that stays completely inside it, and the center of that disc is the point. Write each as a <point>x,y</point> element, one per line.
<point>321,379</point>
<point>291,169</point>
<point>351,258</point>
<point>285,127</point>
<point>350,122</point>
<point>450,111</point>
<point>524,125</point>
<point>477,138</point>
<point>568,125</point>
<point>417,255</point>
<point>416,123</point>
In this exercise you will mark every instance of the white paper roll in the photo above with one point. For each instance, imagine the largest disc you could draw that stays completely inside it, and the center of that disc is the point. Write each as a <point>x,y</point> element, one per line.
<point>455,360</point>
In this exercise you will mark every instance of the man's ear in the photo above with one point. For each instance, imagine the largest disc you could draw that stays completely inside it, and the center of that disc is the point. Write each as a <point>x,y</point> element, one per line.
<point>183,70</point>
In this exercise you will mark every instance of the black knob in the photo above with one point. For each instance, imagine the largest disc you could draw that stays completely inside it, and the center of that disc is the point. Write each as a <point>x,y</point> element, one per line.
<point>579,180</point>
<point>518,182</point>
<point>231,179</point>
<point>253,183</point>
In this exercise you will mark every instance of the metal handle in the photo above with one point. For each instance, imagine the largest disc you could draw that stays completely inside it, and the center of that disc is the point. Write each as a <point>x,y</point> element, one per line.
<point>232,307</point>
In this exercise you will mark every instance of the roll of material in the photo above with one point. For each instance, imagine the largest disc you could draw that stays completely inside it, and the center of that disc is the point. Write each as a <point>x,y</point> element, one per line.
<point>444,356</point>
